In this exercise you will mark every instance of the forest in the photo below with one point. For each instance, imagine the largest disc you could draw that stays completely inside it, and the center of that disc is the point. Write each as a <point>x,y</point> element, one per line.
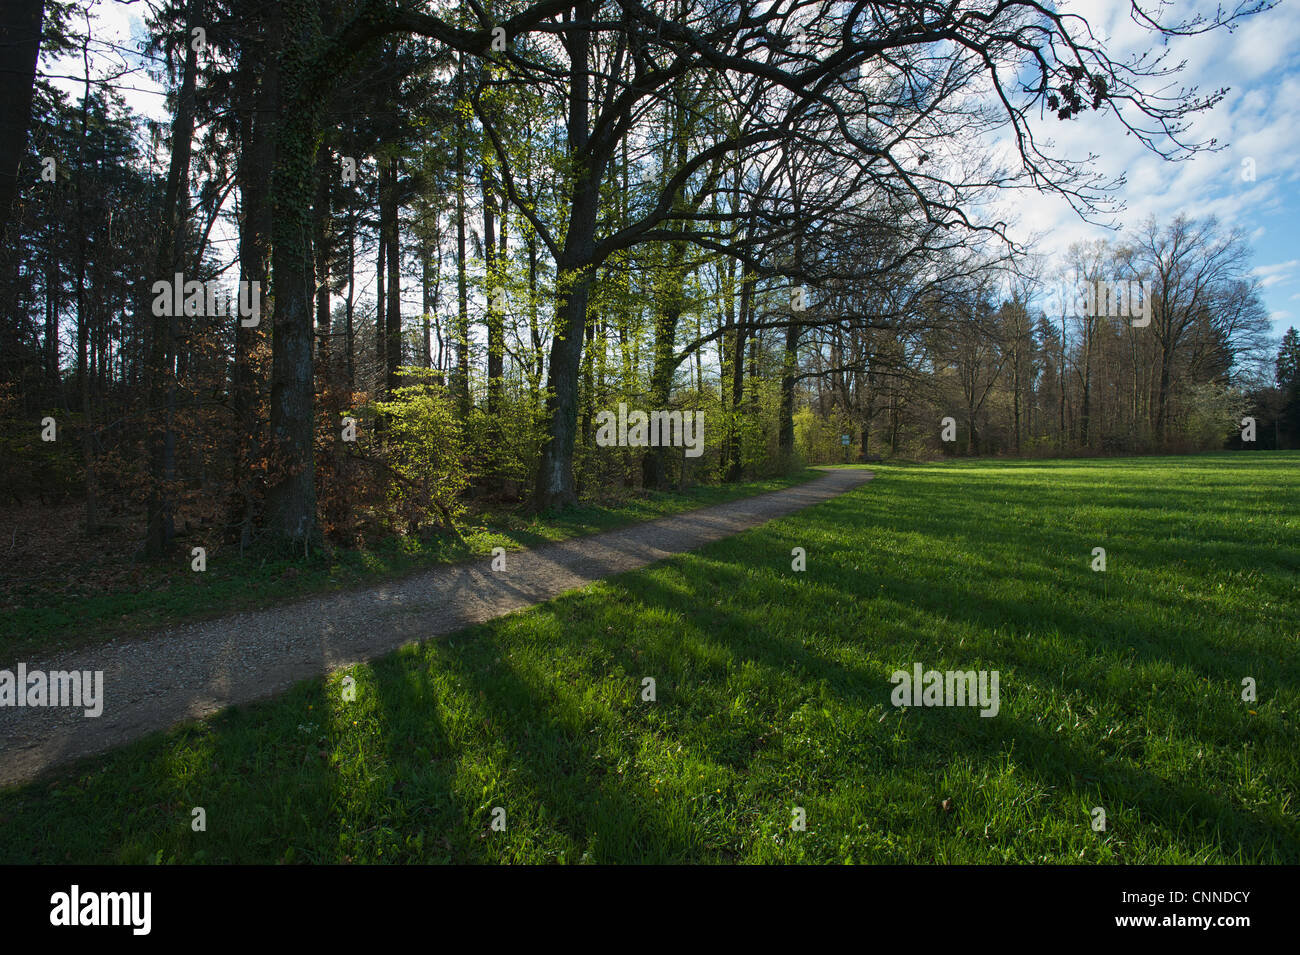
<point>390,262</point>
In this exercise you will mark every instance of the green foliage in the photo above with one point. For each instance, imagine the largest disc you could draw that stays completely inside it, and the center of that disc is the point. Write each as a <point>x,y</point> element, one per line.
<point>425,451</point>
<point>1288,362</point>
<point>504,445</point>
<point>818,439</point>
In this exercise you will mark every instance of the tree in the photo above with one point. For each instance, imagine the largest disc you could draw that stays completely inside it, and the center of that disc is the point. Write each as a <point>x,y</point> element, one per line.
<point>20,38</point>
<point>1191,263</point>
<point>1288,383</point>
<point>172,237</point>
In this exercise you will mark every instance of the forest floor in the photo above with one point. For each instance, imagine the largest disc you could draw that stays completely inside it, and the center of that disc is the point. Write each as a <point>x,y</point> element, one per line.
<point>60,588</point>
<point>1162,693</point>
<point>192,671</point>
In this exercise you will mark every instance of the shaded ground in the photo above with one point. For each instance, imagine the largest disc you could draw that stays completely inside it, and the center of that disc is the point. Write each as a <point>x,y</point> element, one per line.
<point>62,589</point>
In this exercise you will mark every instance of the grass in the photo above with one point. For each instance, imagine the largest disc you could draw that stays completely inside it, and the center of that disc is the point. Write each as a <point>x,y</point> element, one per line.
<point>1119,690</point>
<point>74,610</point>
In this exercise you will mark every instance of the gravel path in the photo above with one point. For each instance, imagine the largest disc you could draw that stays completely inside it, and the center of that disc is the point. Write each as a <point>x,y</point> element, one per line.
<point>194,670</point>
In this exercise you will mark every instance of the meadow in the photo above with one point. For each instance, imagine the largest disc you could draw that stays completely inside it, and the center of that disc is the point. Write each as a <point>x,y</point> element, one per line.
<point>1120,690</point>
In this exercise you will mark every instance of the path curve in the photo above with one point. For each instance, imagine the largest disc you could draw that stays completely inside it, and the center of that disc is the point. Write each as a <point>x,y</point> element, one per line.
<point>194,670</point>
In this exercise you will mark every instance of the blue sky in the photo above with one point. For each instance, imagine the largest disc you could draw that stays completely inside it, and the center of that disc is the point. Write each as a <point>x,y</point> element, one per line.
<point>1259,119</point>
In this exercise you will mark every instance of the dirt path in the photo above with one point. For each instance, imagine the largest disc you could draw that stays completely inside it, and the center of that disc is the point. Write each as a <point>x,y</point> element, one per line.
<point>194,670</point>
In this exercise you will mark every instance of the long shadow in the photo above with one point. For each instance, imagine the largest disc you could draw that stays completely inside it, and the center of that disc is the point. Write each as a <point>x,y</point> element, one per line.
<point>571,792</point>
<point>1256,833</point>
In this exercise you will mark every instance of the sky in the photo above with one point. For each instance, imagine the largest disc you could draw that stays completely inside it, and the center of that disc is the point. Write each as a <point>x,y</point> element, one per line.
<point>1258,120</point>
<point>1257,124</point>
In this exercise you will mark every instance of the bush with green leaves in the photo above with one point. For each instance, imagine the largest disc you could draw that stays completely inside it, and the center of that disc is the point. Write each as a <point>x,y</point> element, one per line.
<point>424,450</point>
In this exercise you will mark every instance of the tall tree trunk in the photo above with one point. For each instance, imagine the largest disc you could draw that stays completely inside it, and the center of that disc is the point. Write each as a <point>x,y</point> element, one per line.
<point>555,486</point>
<point>1085,410</point>
<point>1162,394</point>
<point>258,86</point>
<point>83,316</point>
<point>291,498</point>
<point>321,254</point>
<point>20,38</point>
<point>348,304</point>
<point>495,319</point>
<point>460,380</point>
<point>460,334</point>
<point>894,424</point>
<point>1015,394</point>
<point>785,438</point>
<point>381,298</point>
<point>735,467</point>
<point>53,284</point>
<point>1060,383</point>
<point>654,463</point>
<point>426,302</point>
<point>393,246</point>
<point>169,261</point>
<point>790,355</point>
<point>534,328</point>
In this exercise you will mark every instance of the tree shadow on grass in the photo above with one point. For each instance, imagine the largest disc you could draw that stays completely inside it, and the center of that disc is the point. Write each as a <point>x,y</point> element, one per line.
<point>556,771</point>
<point>414,790</point>
<point>1180,808</point>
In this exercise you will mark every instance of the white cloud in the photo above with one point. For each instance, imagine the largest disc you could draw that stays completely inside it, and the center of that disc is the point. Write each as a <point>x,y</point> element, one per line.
<point>1278,273</point>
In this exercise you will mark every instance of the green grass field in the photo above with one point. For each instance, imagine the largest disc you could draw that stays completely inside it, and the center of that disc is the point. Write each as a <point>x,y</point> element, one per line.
<point>1120,690</point>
